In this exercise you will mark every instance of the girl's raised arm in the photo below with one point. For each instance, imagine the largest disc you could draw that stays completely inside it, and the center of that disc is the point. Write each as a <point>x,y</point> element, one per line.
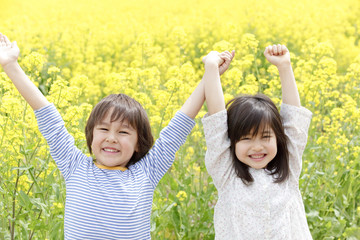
<point>9,53</point>
<point>279,56</point>
<point>215,64</point>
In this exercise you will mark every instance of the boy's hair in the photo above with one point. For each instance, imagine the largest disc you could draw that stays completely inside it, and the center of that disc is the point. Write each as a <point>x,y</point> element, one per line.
<point>123,108</point>
<point>251,114</point>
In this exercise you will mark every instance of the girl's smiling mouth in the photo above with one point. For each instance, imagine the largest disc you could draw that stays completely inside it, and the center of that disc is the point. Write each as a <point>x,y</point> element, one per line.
<point>257,156</point>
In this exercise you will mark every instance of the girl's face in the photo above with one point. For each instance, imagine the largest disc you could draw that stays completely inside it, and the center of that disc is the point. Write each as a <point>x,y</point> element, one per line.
<point>114,143</point>
<point>257,151</point>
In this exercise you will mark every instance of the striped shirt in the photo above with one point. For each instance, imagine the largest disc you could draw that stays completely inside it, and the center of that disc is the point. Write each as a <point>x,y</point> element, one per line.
<point>109,204</point>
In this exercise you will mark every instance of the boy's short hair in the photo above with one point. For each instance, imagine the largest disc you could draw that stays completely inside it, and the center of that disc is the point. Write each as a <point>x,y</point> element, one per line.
<point>123,108</point>
<point>250,113</point>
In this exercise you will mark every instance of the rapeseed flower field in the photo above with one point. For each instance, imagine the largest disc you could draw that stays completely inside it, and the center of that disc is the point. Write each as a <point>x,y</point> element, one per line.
<point>77,52</point>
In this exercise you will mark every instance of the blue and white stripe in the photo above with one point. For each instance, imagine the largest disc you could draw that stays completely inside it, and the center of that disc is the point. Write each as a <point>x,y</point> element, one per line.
<point>109,204</point>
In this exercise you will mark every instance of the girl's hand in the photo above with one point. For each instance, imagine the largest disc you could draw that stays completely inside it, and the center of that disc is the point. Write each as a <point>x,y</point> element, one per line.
<point>278,55</point>
<point>220,60</point>
<point>9,52</point>
<point>213,58</point>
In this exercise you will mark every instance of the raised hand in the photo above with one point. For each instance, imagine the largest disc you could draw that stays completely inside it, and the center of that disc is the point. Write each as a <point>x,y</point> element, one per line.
<point>9,52</point>
<point>227,57</point>
<point>213,58</point>
<point>278,55</point>
<point>221,60</point>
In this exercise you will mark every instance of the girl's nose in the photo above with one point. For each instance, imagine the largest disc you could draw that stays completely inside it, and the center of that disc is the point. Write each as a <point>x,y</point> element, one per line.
<point>257,146</point>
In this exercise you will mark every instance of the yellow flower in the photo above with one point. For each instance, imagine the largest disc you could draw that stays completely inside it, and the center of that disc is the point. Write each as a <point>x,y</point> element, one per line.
<point>181,195</point>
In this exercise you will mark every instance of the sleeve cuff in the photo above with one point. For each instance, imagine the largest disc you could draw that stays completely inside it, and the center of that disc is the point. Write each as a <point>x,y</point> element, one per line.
<point>46,108</point>
<point>185,118</point>
<point>295,111</point>
<point>215,122</point>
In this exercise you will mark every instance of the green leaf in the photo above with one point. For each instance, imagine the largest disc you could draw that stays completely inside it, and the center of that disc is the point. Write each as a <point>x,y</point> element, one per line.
<point>21,168</point>
<point>176,216</point>
<point>352,233</point>
<point>55,230</point>
<point>24,200</point>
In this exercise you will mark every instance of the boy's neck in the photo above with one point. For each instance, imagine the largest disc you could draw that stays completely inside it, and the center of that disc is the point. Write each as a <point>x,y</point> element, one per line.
<point>110,168</point>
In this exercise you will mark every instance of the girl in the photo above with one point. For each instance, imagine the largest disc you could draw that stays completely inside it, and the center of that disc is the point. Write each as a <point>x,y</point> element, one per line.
<point>254,156</point>
<point>108,196</point>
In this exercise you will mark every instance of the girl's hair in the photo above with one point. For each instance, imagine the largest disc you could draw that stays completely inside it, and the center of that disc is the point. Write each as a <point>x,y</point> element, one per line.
<point>251,114</point>
<point>123,108</point>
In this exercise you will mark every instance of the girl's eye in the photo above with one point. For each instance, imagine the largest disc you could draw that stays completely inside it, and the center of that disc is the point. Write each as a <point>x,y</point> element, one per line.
<point>245,138</point>
<point>123,132</point>
<point>266,136</point>
<point>103,129</point>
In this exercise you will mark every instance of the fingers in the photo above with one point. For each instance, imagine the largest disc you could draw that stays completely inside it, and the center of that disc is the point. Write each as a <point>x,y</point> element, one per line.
<point>4,41</point>
<point>7,40</point>
<point>284,49</point>
<point>268,51</point>
<point>275,50</point>
<point>1,38</point>
<point>232,54</point>
<point>227,56</point>
<point>213,57</point>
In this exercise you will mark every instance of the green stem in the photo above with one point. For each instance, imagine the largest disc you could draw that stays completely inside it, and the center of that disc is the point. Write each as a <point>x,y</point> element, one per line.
<point>32,233</point>
<point>163,113</point>
<point>12,226</point>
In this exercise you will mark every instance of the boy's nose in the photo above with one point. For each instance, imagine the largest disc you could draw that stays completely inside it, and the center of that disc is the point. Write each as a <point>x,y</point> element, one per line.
<point>111,139</point>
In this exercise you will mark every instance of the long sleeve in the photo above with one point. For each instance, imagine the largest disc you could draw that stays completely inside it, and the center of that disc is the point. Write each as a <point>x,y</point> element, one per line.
<point>162,154</point>
<point>296,122</point>
<point>62,147</point>
<point>218,158</point>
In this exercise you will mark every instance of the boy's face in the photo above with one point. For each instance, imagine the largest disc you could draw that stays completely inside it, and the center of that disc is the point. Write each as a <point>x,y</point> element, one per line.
<point>114,143</point>
<point>257,151</point>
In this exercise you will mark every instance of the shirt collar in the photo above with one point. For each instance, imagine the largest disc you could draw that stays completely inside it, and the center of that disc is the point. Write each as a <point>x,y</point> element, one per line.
<point>110,168</point>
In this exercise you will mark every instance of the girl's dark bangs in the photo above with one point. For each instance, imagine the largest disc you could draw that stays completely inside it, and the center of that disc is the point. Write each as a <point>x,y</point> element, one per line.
<point>255,121</point>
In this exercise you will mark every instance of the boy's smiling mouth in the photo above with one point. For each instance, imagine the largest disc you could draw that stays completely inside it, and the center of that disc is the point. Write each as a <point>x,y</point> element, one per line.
<point>112,150</point>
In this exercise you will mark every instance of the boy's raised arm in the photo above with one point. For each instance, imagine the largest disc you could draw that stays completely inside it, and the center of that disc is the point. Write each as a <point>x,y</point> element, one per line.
<point>279,56</point>
<point>9,53</point>
<point>193,104</point>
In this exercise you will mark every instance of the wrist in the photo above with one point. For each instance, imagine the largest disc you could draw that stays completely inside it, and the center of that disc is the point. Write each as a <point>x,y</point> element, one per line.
<point>284,67</point>
<point>10,66</point>
<point>211,65</point>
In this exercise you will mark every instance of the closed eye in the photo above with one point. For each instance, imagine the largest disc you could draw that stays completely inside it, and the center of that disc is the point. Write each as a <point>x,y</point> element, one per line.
<point>245,138</point>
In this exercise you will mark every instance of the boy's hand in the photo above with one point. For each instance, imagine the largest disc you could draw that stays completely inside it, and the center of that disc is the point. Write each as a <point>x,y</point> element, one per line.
<point>9,52</point>
<point>278,55</point>
<point>227,57</point>
<point>221,60</point>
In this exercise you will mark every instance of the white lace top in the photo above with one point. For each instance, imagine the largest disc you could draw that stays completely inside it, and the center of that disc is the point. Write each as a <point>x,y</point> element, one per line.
<point>264,209</point>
